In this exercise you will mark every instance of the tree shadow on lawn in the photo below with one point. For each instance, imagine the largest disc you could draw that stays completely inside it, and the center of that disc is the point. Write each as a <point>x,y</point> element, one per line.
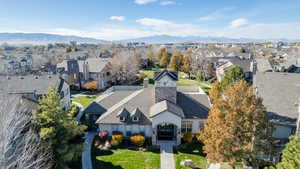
<point>98,164</point>
<point>190,148</point>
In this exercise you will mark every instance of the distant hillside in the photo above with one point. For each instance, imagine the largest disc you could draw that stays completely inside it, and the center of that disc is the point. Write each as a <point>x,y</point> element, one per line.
<point>43,38</point>
<point>160,39</point>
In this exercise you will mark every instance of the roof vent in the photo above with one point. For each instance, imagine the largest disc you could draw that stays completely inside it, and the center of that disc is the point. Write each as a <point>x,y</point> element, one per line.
<point>21,77</point>
<point>36,77</point>
<point>49,76</point>
<point>8,77</point>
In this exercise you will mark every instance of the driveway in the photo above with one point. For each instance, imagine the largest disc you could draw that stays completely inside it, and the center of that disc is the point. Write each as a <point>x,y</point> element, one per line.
<point>87,162</point>
<point>166,155</point>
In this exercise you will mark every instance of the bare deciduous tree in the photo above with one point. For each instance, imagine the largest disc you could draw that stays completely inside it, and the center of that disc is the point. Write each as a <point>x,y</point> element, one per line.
<point>19,143</point>
<point>125,66</point>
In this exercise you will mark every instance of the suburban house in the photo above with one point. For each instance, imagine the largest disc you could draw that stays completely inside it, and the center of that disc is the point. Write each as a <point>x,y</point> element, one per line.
<point>280,93</point>
<point>70,72</point>
<point>225,64</point>
<point>78,72</point>
<point>95,69</point>
<point>33,87</point>
<point>161,112</point>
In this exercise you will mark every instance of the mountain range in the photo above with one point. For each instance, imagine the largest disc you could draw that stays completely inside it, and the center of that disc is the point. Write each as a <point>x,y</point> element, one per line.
<point>43,38</point>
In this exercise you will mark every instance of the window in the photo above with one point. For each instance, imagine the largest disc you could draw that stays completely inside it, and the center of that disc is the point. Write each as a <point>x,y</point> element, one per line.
<point>186,126</point>
<point>201,125</point>
<point>135,118</point>
<point>122,118</point>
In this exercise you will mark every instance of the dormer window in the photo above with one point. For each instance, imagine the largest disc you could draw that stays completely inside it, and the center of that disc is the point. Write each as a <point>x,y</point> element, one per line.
<point>122,118</point>
<point>135,119</point>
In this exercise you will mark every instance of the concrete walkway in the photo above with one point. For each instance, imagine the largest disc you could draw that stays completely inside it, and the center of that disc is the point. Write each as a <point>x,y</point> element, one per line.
<point>166,155</point>
<point>87,153</point>
<point>80,113</point>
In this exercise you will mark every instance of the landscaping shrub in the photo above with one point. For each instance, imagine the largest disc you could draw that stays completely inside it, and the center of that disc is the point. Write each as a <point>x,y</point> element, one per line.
<point>103,136</point>
<point>117,138</point>
<point>137,140</point>
<point>188,137</point>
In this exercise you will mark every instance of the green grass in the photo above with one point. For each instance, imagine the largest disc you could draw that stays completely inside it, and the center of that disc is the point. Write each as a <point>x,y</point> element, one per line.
<point>190,152</point>
<point>126,159</point>
<point>84,100</point>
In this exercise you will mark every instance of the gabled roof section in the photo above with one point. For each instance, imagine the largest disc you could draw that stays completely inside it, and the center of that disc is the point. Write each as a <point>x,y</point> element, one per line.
<point>123,112</point>
<point>95,108</point>
<point>136,112</point>
<point>164,106</point>
<point>160,74</point>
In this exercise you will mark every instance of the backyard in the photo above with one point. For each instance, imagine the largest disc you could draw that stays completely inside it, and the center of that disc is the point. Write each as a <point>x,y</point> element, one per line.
<point>182,81</point>
<point>84,100</point>
<point>124,158</point>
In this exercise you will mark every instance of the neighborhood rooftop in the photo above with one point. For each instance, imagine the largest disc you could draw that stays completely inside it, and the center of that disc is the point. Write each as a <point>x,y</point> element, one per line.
<point>280,93</point>
<point>38,84</point>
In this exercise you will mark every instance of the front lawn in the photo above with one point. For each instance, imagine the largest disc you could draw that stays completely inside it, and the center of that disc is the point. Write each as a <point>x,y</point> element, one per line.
<point>84,100</point>
<point>123,158</point>
<point>190,152</point>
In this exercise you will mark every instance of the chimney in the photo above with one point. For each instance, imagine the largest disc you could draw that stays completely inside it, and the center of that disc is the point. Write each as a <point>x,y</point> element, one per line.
<point>146,82</point>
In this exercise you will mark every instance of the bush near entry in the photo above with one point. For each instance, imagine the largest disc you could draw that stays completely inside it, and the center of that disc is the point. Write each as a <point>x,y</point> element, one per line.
<point>188,137</point>
<point>137,140</point>
<point>117,138</point>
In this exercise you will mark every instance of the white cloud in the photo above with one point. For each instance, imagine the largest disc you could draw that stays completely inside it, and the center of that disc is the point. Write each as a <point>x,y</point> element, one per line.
<point>142,2</point>
<point>218,14</point>
<point>160,26</point>
<point>165,3</point>
<point>117,18</point>
<point>237,23</point>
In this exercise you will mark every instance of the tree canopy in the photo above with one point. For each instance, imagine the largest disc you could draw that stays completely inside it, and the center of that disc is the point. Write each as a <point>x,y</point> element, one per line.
<point>58,129</point>
<point>291,154</point>
<point>235,118</point>
<point>234,74</point>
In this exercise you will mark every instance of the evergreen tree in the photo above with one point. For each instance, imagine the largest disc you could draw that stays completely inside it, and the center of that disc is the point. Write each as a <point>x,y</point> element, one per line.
<point>291,154</point>
<point>58,129</point>
<point>232,75</point>
<point>236,117</point>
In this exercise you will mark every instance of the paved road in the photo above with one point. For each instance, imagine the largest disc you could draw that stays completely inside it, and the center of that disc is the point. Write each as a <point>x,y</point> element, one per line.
<point>86,155</point>
<point>166,155</point>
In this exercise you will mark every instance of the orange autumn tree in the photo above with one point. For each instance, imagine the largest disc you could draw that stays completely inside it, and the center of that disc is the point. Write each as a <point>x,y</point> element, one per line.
<point>90,85</point>
<point>236,116</point>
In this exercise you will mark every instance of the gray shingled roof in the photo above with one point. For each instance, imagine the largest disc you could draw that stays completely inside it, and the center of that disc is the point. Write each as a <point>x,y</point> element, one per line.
<point>192,105</point>
<point>164,106</point>
<point>280,93</point>
<point>96,65</point>
<point>30,83</point>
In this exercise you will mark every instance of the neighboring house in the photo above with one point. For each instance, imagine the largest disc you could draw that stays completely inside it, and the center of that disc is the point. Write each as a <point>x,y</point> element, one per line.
<point>33,87</point>
<point>280,93</point>
<point>79,72</point>
<point>95,69</point>
<point>69,69</point>
<point>246,64</point>
<point>293,69</point>
<point>162,112</point>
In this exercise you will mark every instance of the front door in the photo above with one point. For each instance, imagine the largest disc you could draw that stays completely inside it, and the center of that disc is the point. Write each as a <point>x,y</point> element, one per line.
<point>166,132</point>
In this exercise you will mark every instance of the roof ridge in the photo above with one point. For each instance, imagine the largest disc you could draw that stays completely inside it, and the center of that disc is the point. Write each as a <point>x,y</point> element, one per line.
<point>119,104</point>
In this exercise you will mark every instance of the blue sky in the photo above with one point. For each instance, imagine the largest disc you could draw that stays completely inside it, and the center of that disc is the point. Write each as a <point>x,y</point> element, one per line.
<point>122,19</point>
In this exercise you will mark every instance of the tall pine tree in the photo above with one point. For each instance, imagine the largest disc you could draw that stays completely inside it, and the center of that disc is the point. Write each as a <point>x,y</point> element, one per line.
<point>58,129</point>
